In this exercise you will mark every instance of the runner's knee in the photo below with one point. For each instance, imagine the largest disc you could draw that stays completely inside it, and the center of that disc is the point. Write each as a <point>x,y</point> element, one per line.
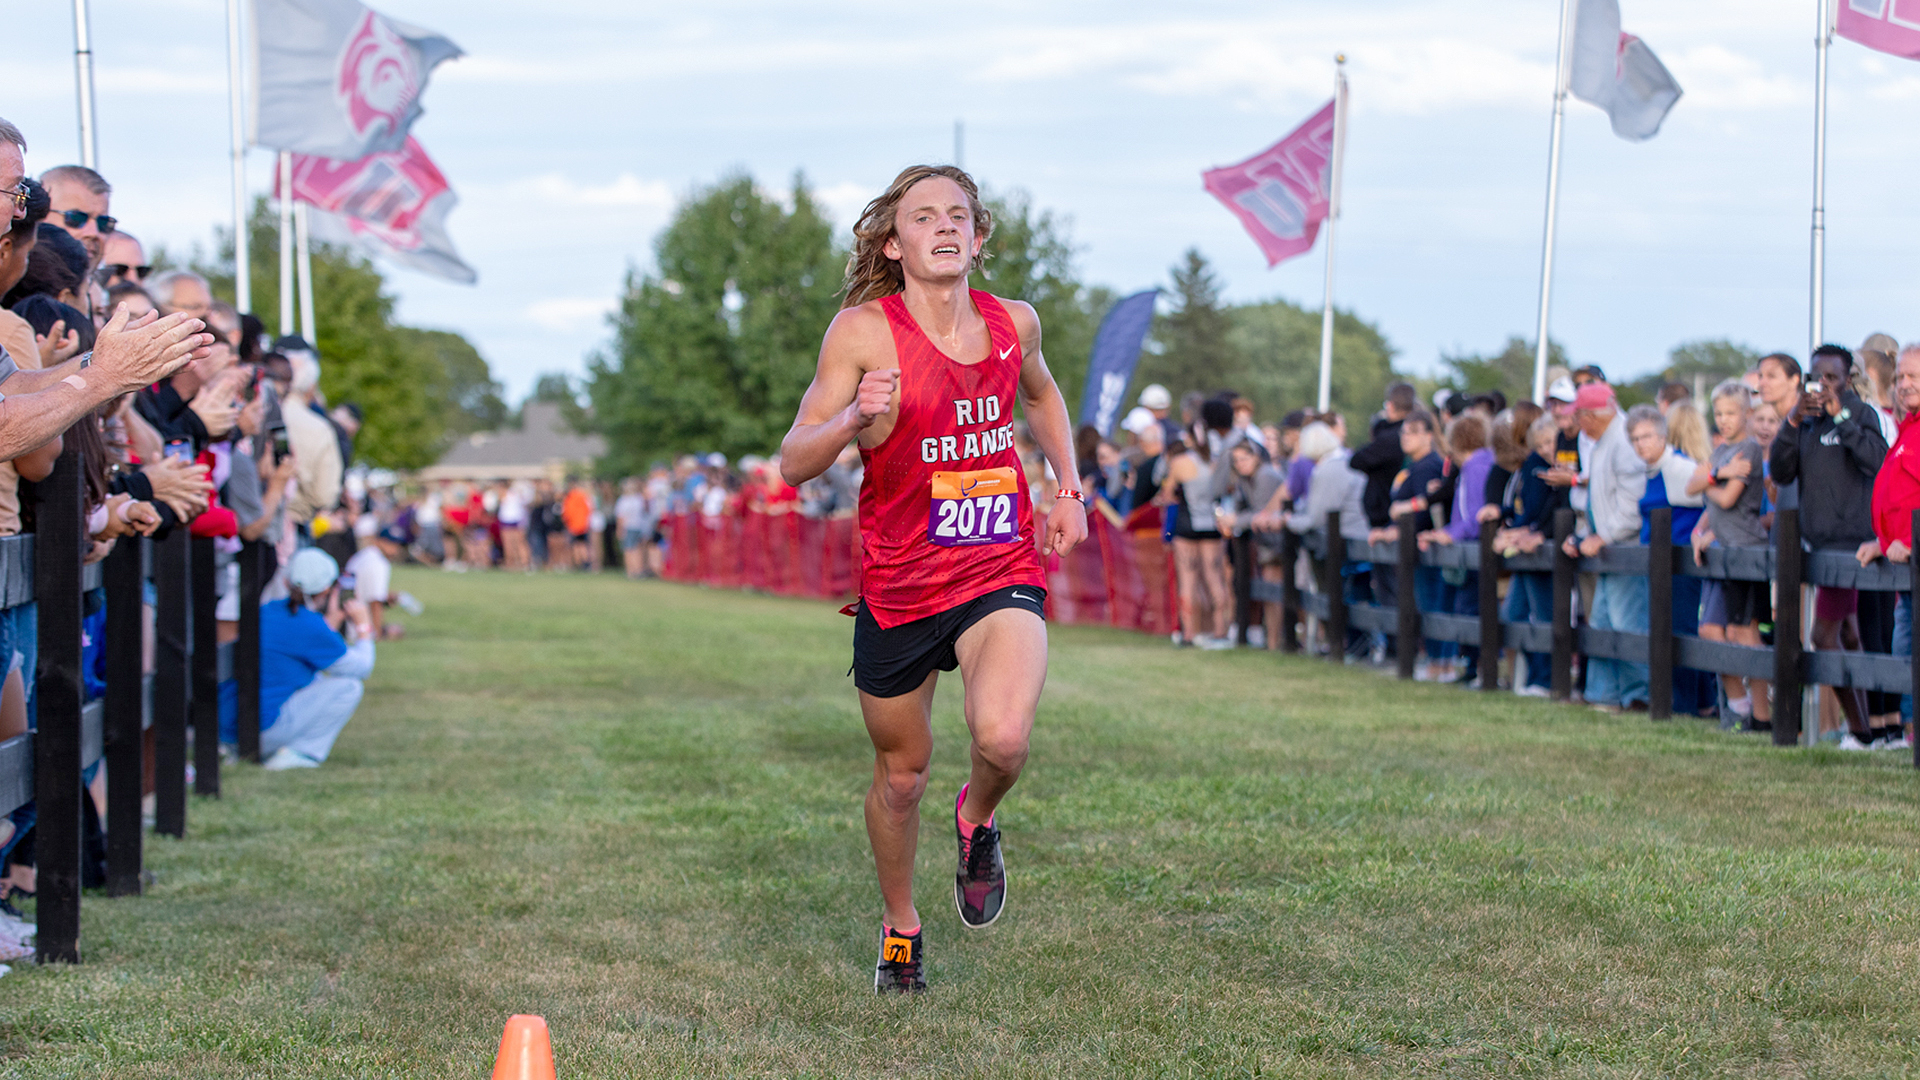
<point>902,783</point>
<point>1006,753</point>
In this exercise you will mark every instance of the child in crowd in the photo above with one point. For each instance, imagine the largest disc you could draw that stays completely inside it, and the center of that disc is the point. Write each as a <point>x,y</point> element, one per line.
<point>1733,610</point>
<point>1413,488</point>
<point>1531,502</point>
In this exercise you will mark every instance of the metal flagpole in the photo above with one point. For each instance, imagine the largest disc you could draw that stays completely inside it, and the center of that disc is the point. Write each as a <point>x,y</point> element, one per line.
<point>242,268</point>
<point>83,77</point>
<point>1553,202</point>
<point>305,252</point>
<point>1333,223</point>
<point>1817,316</point>
<point>286,244</point>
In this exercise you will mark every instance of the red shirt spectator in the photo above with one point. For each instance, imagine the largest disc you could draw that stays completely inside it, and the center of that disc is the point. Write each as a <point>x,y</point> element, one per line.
<point>1896,490</point>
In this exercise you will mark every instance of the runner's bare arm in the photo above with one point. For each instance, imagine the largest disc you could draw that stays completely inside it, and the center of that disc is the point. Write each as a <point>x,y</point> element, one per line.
<point>1046,410</point>
<point>855,385</point>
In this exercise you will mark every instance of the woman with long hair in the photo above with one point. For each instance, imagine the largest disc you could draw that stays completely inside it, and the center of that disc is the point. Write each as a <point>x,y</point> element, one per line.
<point>1199,553</point>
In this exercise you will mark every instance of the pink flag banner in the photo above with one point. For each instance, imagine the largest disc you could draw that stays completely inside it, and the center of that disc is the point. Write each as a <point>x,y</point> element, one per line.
<point>392,204</point>
<point>1282,194</point>
<point>1889,26</point>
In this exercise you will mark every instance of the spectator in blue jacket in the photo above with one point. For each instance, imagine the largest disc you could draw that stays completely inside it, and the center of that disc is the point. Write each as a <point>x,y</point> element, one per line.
<point>311,678</point>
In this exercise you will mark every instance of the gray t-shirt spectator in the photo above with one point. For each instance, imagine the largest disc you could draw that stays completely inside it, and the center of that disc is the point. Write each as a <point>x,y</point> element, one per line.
<point>1739,525</point>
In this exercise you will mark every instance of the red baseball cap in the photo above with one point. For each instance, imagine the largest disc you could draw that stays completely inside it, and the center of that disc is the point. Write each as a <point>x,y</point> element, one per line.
<point>1594,395</point>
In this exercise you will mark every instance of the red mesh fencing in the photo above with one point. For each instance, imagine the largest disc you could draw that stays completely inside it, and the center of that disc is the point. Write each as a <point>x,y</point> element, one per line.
<point>1122,576</point>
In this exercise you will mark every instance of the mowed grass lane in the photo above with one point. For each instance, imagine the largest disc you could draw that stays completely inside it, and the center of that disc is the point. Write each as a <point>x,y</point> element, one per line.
<point>635,810</point>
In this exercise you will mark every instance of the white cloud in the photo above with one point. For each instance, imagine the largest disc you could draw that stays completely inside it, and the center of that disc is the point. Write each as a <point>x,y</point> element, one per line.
<point>1717,78</point>
<point>845,200</point>
<point>627,191</point>
<point>571,313</point>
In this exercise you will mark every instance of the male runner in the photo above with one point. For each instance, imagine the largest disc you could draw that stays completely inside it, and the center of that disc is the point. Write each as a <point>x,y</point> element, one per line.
<point>923,372</point>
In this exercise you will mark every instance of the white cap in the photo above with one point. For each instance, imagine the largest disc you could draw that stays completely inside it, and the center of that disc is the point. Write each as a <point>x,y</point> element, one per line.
<point>1440,397</point>
<point>1562,390</point>
<point>312,571</point>
<point>1137,421</point>
<point>1156,396</point>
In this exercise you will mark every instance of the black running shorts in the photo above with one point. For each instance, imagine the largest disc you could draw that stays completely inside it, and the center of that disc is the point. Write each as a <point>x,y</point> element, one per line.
<point>889,663</point>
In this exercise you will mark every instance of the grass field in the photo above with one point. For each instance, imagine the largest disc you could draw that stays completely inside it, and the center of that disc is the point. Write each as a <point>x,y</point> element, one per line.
<point>635,810</point>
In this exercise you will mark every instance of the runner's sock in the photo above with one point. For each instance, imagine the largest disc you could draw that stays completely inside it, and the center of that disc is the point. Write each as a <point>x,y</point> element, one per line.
<point>1741,705</point>
<point>891,932</point>
<point>967,827</point>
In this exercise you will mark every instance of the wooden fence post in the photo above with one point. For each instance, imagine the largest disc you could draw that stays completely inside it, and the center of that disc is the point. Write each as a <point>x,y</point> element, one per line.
<point>1564,568</point>
<point>1289,591</point>
<point>1788,572</point>
<point>246,651</point>
<point>206,670</point>
<point>125,717</point>
<point>1660,616</point>
<point>1406,598</point>
<point>1489,610</point>
<point>1336,591</point>
<point>59,545</point>
<point>172,688</point>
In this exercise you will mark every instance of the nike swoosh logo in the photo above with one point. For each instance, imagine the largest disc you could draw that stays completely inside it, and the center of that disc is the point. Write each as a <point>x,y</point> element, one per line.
<point>1008,352</point>
<point>1016,595</point>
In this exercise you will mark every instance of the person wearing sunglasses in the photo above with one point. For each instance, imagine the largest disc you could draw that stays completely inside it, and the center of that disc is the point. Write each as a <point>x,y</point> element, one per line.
<point>122,260</point>
<point>80,198</point>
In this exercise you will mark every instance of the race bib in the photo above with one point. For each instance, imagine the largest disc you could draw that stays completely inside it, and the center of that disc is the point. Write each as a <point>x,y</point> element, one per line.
<point>978,507</point>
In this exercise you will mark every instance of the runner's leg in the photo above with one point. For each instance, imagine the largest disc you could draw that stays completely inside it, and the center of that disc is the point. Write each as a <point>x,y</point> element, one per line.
<point>902,733</point>
<point>1003,666</point>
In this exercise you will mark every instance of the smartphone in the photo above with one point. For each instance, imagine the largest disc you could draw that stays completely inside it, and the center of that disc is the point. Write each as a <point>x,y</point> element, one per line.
<point>180,449</point>
<point>1815,386</point>
<point>281,448</point>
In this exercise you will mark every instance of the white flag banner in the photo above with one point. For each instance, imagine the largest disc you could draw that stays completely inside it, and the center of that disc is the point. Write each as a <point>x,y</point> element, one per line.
<point>1617,72</point>
<point>336,79</point>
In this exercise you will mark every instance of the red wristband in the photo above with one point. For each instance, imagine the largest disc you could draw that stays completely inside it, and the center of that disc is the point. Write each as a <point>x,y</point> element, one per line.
<point>1069,493</point>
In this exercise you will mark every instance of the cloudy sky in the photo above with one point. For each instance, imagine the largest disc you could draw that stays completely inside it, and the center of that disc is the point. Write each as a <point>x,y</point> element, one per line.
<point>572,127</point>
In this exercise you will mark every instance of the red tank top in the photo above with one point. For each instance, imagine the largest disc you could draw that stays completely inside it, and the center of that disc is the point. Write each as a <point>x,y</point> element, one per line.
<point>944,511</point>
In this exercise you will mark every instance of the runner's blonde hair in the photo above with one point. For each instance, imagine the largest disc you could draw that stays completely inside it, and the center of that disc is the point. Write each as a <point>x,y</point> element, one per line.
<point>870,274</point>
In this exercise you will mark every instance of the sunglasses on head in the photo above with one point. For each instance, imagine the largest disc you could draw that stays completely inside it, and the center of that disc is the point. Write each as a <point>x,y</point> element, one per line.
<point>109,271</point>
<point>77,219</point>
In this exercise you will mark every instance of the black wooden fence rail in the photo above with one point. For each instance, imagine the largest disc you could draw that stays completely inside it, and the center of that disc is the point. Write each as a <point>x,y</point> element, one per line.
<point>1786,663</point>
<point>44,766</point>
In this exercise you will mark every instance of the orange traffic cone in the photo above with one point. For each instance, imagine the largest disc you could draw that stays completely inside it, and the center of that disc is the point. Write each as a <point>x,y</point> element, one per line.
<point>526,1051</point>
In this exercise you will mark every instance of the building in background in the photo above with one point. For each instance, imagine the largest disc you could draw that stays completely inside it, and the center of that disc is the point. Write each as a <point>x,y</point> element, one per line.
<point>542,448</point>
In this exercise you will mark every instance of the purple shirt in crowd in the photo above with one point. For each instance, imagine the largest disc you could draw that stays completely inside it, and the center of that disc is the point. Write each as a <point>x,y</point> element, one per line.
<point>1299,474</point>
<point>1469,495</point>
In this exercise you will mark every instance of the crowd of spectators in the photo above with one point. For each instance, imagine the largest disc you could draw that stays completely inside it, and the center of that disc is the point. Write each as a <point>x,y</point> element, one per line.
<point>587,525</point>
<point>180,414</point>
<point>1221,488</point>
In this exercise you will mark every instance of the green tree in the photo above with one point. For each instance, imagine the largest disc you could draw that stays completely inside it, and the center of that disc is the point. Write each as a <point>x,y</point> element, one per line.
<point>562,389</point>
<point>713,351</point>
<point>1192,347</point>
<point>417,388</point>
<point>1704,362</point>
<point>1509,371</point>
<point>469,387</point>
<point>1031,258</point>
<point>1713,359</point>
<point>1280,342</point>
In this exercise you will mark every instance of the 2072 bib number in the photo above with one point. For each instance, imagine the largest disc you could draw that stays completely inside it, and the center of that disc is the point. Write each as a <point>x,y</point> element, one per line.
<point>979,507</point>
